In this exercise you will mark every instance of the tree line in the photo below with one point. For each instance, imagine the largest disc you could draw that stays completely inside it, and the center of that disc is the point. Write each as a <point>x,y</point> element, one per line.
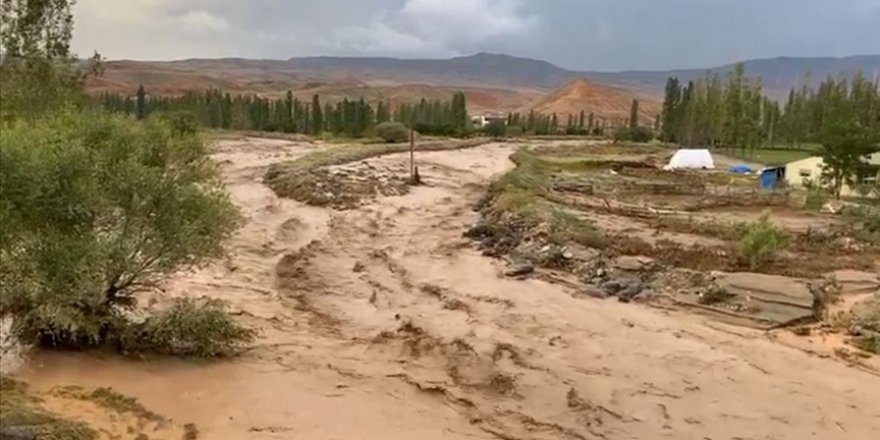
<point>736,113</point>
<point>214,108</point>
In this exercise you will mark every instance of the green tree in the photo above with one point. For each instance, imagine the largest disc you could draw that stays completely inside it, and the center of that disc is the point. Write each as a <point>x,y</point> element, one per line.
<point>317,116</point>
<point>141,103</point>
<point>37,71</point>
<point>382,113</point>
<point>671,104</point>
<point>845,143</point>
<point>634,115</point>
<point>94,217</point>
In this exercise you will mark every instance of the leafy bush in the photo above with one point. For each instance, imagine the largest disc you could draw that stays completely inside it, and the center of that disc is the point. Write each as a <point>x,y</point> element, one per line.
<point>495,129</point>
<point>188,328</point>
<point>761,242</point>
<point>816,198</point>
<point>637,134</point>
<point>181,122</point>
<point>514,131</point>
<point>392,132</point>
<point>96,209</point>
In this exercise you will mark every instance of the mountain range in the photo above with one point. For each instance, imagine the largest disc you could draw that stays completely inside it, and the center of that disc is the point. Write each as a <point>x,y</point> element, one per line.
<point>493,82</point>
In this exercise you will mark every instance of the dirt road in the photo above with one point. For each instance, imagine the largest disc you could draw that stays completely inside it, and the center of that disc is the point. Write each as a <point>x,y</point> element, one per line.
<point>384,323</point>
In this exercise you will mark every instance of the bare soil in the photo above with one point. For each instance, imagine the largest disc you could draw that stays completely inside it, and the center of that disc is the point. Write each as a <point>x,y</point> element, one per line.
<point>382,322</point>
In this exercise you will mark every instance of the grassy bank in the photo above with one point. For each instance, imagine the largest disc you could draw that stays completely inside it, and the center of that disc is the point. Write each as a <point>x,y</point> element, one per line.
<point>21,415</point>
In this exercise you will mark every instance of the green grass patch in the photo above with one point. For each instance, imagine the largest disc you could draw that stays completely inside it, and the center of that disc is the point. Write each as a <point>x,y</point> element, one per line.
<point>21,414</point>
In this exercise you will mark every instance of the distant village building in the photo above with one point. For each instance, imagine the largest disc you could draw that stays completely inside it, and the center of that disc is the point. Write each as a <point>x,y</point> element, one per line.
<point>484,120</point>
<point>808,171</point>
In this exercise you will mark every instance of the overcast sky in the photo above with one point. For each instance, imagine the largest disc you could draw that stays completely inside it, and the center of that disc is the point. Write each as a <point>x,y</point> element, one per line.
<point>577,34</point>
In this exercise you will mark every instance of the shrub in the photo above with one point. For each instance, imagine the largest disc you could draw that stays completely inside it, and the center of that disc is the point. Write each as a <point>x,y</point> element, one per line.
<point>495,129</point>
<point>514,131</point>
<point>392,132</point>
<point>188,328</point>
<point>816,198</point>
<point>181,122</point>
<point>95,209</point>
<point>761,242</point>
<point>637,134</point>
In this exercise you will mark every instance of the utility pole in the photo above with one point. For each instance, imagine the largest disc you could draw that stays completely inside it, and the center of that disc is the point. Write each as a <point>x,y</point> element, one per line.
<point>412,155</point>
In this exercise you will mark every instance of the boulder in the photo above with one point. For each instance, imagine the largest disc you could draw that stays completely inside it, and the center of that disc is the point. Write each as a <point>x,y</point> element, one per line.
<point>632,264</point>
<point>520,270</point>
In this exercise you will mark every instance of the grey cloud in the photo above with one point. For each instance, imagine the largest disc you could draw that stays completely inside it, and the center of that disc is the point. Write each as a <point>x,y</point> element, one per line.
<point>587,34</point>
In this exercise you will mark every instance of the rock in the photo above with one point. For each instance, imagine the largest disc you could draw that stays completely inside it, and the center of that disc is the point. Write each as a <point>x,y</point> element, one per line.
<point>612,287</point>
<point>567,255</point>
<point>601,272</point>
<point>833,207</point>
<point>19,432</point>
<point>632,264</point>
<point>630,291</point>
<point>593,292</point>
<point>358,267</point>
<point>519,270</point>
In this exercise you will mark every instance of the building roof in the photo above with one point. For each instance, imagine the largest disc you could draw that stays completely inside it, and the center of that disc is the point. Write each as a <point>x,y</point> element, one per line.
<point>871,159</point>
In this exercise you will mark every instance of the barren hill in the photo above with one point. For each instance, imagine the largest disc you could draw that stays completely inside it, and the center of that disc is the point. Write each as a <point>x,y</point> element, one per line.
<point>493,82</point>
<point>610,103</point>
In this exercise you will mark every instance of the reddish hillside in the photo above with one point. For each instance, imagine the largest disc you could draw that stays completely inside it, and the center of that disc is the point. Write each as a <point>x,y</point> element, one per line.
<point>610,103</point>
<point>245,77</point>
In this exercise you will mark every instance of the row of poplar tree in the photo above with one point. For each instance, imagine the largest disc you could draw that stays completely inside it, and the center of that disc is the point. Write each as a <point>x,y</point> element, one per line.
<point>352,118</point>
<point>736,113</point>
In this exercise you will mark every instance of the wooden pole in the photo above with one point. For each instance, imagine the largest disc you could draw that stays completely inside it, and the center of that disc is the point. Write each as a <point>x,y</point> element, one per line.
<point>412,155</point>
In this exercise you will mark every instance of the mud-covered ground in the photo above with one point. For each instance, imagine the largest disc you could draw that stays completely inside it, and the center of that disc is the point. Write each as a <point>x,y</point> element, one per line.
<point>384,322</point>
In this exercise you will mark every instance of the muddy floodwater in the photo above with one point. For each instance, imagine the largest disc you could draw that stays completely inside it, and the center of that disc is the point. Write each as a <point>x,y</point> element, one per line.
<point>383,322</point>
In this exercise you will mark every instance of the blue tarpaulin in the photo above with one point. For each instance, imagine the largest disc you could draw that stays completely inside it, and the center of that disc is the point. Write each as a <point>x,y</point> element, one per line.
<point>772,178</point>
<point>741,169</point>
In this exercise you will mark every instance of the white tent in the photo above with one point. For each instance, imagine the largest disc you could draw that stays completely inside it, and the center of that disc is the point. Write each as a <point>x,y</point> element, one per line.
<point>691,159</point>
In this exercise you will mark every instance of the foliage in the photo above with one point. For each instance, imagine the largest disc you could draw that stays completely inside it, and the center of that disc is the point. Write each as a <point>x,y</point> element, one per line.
<point>21,413</point>
<point>392,132</point>
<point>735,113</point>
<point>188,328</point>
<point>514,131</point>
<point>761,242</point>
<point>816,198</point>
<point>37,70</point>
<point>636,134</point>
<point>495,129</point>
<point>846,139</point>
<point>350,118</point>
<point>96,209</point>
<point>634,115</point>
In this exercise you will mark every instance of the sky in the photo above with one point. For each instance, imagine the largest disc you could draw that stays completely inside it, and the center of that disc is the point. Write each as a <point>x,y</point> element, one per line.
<point>605,35</point>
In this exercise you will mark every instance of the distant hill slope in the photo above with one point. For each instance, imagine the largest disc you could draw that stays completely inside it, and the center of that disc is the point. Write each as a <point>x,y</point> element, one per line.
<point>609,103</point>
<point>525,77</point>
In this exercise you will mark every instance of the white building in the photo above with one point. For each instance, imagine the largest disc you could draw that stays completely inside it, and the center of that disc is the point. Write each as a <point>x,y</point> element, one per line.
<point>807,171</point>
